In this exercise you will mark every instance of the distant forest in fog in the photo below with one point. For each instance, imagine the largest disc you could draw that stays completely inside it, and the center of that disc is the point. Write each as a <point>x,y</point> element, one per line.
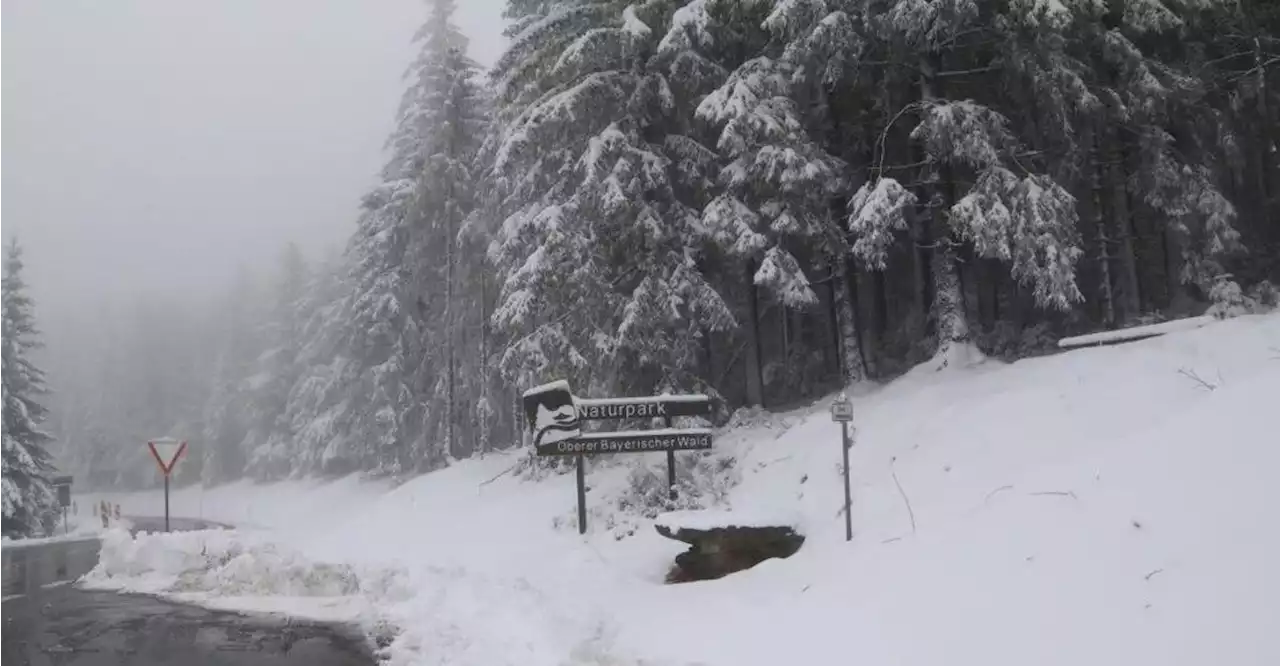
<point>759,200</point>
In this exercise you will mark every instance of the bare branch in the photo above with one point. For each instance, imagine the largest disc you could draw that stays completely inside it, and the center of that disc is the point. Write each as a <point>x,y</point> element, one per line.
<point>1149,575</point>
<point>1191,374</point>
<point>1060,493</point>
<point>992,493</point>
<point>910,513</point>
<point>884,135</point>
<point>499,476</point>
<point>966,72</point>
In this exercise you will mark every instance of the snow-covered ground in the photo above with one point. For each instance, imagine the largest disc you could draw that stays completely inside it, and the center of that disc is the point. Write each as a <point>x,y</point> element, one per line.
<point>74,528</point>
<point>1111,505</point>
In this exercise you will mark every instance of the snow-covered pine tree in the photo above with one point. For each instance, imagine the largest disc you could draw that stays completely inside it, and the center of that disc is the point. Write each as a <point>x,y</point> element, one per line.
<point>29,501</point>
<point>1159,142</point>
<point>276,371</point>
<point>777,182</point>
<point>599,247</point>
<point>226,418</point>
<point>317,416</point>
<point>972,186</point>
<point>452,126</point>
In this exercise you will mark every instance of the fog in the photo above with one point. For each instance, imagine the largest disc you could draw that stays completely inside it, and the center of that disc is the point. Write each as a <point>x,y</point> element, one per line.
<point>157,146</point>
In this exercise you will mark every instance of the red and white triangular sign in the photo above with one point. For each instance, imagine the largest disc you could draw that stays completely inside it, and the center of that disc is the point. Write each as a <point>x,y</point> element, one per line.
<point>166,451</point>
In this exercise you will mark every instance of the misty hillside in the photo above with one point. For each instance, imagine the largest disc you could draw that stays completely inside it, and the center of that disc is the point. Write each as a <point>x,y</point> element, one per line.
<point>760,201</point>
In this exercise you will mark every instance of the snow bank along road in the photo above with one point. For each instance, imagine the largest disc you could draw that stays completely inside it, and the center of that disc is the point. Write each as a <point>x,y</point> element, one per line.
<point>48,622</point>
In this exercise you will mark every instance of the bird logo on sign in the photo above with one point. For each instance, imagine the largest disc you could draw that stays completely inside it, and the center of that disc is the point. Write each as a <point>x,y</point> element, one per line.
<point>551,414</point>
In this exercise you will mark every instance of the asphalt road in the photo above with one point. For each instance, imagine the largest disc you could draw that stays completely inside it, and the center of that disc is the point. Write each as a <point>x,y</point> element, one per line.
<point>48,621</point>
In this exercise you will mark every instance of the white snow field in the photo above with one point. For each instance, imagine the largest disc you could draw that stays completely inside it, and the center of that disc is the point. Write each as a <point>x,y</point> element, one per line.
<point>1115,505</point>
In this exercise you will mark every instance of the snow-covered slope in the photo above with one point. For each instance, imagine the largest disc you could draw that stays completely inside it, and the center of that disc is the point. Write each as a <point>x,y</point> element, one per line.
<point>1113,505</point>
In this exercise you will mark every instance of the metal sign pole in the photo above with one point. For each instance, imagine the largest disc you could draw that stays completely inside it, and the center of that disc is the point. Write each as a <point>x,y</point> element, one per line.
<point>848,500</point>
<point>166,502</point>
<point>582,495</point>
<point>842,413</point>
<point>671,472</point>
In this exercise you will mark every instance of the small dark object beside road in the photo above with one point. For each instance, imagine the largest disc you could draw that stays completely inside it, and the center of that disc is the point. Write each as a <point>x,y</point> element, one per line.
<point>720,551</point>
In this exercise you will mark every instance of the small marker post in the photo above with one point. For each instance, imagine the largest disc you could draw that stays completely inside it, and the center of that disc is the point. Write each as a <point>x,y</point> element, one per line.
<point>842,413</point>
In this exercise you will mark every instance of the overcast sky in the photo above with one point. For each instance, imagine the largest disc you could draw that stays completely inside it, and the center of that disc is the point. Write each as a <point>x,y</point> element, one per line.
<point>151,145</point>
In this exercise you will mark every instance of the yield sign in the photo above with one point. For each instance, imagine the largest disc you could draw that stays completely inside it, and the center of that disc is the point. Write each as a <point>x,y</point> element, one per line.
<point>166,451</point>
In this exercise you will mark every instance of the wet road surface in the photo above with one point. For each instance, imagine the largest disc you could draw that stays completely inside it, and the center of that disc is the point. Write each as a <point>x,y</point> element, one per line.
<point>48,621</point>
<point>156,524</point>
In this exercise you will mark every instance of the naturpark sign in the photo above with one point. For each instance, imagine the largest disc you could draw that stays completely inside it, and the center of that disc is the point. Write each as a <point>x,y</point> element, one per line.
<point>643,408</point>
<point>636,441</point>
<point>555,417</point>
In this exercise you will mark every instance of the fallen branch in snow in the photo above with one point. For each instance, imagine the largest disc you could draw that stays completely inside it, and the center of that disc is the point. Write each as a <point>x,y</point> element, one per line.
<point>910,513</point>
<point>1148,576</point>
<point>990,494</point>
<point>1063,493</point>
<point>499,475</point>
<point>1191,374</point>
<point>1134,334</point>
<point>892,539</point>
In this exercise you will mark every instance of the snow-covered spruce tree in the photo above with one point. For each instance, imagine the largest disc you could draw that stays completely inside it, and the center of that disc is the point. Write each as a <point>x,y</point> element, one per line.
<point>1147,196</point>
<point>777,183</point>
<point>318,414</point>
<point>226,419</point>
<point>29,501</point>
<point>402,336</point>
<point>598,250</point>
<point>1176,138</point>
<point>972,185</point>
<point>275,372</point>
<point>452,123</point>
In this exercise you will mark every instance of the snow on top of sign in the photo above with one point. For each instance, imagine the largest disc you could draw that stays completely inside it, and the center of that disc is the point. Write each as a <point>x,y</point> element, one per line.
<point>709,519</point>
<point>557,384</point>
<point>658,432</point>
<point>1136,332</point>
<point>697,397</point>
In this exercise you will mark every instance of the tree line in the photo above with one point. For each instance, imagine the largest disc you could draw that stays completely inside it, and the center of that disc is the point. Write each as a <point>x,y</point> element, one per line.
<point>756,199</point>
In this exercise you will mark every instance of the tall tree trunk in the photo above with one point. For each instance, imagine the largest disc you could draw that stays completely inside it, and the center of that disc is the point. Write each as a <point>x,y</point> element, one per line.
<point>1104,254</point>
<point>948,298</point>
<point>1173,269</point>
<point>450,415</point>
<point>1122,223</point>
<point>485,416</point>
<point>833,318</point>
<point>852,367</point>
<point>754,363</point>
<point>1269,144</point>
<point>879,305</point>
